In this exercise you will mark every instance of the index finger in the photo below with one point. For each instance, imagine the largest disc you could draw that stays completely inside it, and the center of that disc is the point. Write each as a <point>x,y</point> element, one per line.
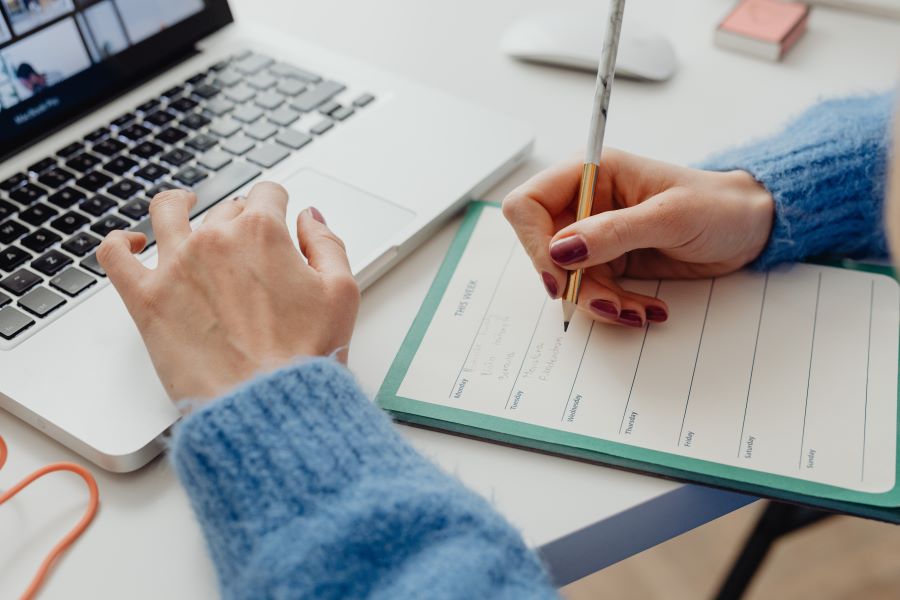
<point>268,198</point>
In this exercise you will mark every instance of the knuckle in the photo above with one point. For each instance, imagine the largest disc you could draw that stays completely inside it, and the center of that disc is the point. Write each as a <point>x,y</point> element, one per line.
<point>207,239</point>
<point>261,224</point>
<point>168,197</point>
<point>269,187</point>
<point>513,205</point>
<point>618,230</point>
<point>344,286</point>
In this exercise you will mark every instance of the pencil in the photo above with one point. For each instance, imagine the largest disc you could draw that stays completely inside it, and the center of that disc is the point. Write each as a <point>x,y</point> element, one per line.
<point>605,75</point>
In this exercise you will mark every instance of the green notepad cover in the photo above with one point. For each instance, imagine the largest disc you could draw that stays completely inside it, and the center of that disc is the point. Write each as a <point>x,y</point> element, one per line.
<point>884,506</point>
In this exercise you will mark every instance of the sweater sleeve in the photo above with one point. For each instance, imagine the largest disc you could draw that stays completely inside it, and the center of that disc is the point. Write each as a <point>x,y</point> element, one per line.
<point>304,489</point>
<point>827,173</point>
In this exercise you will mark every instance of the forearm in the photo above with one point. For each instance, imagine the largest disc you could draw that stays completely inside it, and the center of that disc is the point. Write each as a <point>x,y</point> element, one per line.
<point>827,173</point>
<point>304,488</point>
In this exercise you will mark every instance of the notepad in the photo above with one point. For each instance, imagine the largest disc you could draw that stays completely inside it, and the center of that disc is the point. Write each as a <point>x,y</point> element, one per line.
<point>781,383</point>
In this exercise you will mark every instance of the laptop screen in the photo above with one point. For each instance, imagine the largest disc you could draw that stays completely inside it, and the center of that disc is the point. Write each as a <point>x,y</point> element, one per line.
<point>57,56</point>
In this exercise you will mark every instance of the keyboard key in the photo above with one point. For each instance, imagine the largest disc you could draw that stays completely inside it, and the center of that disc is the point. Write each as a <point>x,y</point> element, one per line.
<point>151,172</point>
<point>183,104</point>
<point>28,194</point>
<point>109,147</point>
<point>195,121</point>
<point>135,132</point>
<point>51,263</point>
<point>93,181</point>
<point>41,302</point>
<point>173,92</point>
<point>159,118</point>
<point>239,144</point>
<point>253,64</point>
<point>246,113</point>
<point>159,188</point>
<point>261,81</point>
<point>55,178</point>
<point>284,116</point>
<point>224,128</point>
<point>66,197</point>
<point>222,64</point>
<point>146,150</point>
<point>261,130</point>
<point>202,142</point>
<point>70,150</point>
<point>72,281</point>
<point>322,126</point>
<point>268,155</point>
<point>222,184</point>
<point>97,135</point>
<point>290,87</point>
<point>219,106</point>
<point>43,165</point>
<point>148,106</point>
<point>80,244</point>
<point>240,93</point>
<point>146,228</point>
<point>11,183</point>
<point>136,209</point>
<point>214,160</point>
<point>13,322</point>
<point>286,70</point>
<point>312,98</point>
<point>177,157</point>
<point>11,257</point>
<point>228,77</point>
<point>342,113</point>
<point>6,209</point>
<point>91,263</point>
<point>269,100</point>
<point>190,176</point>
<point>293,138</point>
<point>38,213</point>
<point>11,230</point>
<point>329,107</point>
<point>123,120</point>
<point>70,222</point>
<point>171,135</point>
<point>84,162</point>
<point>363,100</point>
<point>109,223</point>
<point>125,189</point>
<point>97,205</point>
<point>206,90</point>
<point>40,239</point>
<point>20,282</point>
<point>4,300</point>
<point>120,165</point>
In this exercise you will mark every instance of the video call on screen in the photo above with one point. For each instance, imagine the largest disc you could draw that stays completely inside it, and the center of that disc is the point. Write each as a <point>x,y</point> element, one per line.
<point>43,42</point>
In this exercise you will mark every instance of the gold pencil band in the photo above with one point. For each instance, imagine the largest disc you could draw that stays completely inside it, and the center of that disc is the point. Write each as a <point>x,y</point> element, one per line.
<point>585,205</point>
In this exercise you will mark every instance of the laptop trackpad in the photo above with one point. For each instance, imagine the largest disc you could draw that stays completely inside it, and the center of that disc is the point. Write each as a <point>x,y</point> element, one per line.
<point>365,222</point>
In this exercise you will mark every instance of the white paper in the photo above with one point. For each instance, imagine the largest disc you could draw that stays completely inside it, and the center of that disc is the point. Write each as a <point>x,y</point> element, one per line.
<point>793,372</point>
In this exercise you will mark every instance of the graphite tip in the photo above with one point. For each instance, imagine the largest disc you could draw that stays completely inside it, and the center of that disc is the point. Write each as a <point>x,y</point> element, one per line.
<point>565,326</point>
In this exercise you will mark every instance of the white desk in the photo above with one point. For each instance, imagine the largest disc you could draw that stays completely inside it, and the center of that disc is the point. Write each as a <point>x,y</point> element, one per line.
<point>145,543</point>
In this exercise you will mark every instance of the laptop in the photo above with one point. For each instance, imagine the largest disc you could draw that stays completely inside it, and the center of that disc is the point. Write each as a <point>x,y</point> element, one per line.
<point>105,103</point>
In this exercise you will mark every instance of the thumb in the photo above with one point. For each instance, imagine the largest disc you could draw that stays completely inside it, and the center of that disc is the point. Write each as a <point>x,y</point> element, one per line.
<point>116,256</point>
<point>663,221</point>
<point>324,250</point>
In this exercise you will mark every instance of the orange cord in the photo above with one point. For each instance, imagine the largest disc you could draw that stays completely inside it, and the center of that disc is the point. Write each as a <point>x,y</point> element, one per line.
<point>74,534</point>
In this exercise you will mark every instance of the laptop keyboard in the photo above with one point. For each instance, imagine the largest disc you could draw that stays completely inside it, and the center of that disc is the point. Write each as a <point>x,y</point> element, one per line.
<point>212,134</point>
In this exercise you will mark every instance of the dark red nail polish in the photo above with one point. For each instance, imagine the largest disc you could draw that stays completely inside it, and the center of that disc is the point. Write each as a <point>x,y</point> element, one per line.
<point>569,250</point>
<point>657,314</point>
<point>605,308</point>
<point>550,284</point>
<point>631,318</point>
<point>317,215</point>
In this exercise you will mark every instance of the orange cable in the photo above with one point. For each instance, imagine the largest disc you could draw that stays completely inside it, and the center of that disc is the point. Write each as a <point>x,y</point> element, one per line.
<point>76,531</point>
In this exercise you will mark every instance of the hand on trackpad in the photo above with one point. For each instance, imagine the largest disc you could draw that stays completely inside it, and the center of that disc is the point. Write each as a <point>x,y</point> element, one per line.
<point>365,222</point>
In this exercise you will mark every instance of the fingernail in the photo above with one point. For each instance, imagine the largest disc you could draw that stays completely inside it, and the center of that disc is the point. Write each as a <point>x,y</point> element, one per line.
<point>569,250</point>
<point>605,308</point>
<point>550,284</point>
<point>657,314</point>
<point>631,318</point>
<point>317,215</point>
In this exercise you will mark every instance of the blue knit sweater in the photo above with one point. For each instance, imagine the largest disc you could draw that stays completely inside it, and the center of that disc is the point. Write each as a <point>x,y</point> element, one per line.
<point>304,489</point>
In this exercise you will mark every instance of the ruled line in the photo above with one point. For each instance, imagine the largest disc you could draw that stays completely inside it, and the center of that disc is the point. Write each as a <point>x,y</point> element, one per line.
<point>525,355</point>
<point>812,349</point>
<point>862,469</point>
<point>762,306</point>
<point>578,371</point>
<point>687,402</point>
<point>637,366</point>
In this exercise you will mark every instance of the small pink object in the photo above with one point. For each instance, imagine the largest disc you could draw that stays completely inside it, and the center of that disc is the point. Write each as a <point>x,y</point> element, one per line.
<point>764,28</point>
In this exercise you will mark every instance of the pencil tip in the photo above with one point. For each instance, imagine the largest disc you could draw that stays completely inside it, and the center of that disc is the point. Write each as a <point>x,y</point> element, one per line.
<point>565,326</point>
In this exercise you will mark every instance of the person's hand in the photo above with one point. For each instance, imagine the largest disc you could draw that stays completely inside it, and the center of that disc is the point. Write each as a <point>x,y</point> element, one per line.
<point>650,220</point>
<point>233,297</point>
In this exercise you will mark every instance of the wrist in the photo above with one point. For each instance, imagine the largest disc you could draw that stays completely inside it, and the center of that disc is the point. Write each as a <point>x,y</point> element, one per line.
<point>759,212</point>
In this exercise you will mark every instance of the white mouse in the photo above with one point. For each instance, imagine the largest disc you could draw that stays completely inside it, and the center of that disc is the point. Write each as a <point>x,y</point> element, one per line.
<point>567,39</point>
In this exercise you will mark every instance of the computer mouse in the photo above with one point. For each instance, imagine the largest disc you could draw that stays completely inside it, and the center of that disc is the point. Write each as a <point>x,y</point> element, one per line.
<point>567,39</point>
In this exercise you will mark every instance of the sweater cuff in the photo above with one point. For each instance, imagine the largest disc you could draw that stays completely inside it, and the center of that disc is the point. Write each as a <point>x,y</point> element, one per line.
<point>280,446</point>
<point>826,172</point>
